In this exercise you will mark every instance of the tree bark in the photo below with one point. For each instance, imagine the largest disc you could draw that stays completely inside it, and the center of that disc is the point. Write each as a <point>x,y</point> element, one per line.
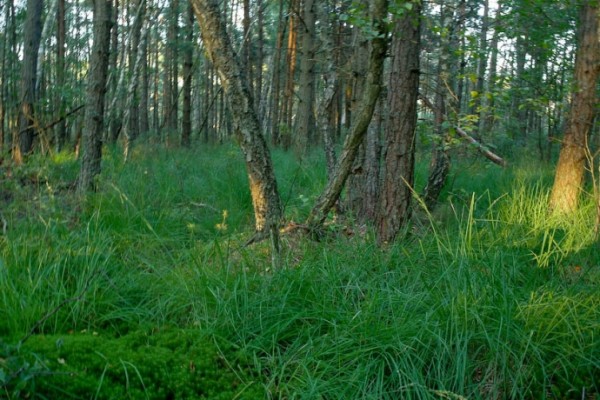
<point>61,128</point>
<point>96,89</point>
<point>305,120</point>
<point>571,163</point>
<point>188,54</point>
<point>403,89</point>
<point>263,185</point>
<point>33,33</point>
<point>275,104</point>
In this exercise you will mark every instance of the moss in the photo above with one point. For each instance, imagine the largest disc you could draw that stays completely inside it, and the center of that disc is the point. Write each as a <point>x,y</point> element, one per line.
<point>170,364</point>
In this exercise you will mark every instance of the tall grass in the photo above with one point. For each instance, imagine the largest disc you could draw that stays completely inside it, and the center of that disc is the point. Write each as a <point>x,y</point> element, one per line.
<point>498,300</point>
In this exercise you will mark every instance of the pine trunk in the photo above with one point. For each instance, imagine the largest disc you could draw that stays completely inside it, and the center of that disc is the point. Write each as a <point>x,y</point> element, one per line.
<point>572,160</point>
<point>27,120</point>
<point>96,89</point>
<point>396,191</point>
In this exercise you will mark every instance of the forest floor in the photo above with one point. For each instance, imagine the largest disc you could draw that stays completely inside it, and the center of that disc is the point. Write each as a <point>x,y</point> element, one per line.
<point>145,290</point>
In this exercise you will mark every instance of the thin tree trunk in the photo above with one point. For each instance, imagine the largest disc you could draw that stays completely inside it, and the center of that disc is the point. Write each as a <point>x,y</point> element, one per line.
<point>61,128</point>
<point>288,95</point>
<point>275,104</point>
<point>186,122</point>
<point>439,166</point>
<point>132,117</point>
<point>305,119</point>
<point>145,76</point>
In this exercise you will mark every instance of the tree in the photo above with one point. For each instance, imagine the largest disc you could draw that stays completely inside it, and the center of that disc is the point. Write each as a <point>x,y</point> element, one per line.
<point>263,185</point>
<point>305,121</point>
<point>403,90</point>
<point>27,120</point>
<point>571,163</point>
<point>188,63</point>
<point>96,89</point>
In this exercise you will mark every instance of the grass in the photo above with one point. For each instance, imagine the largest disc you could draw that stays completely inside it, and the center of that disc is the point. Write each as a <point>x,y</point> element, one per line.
<point>489,298</point>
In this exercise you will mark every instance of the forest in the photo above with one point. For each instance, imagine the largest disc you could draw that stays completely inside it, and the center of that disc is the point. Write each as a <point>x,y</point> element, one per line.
<point>299,199</point>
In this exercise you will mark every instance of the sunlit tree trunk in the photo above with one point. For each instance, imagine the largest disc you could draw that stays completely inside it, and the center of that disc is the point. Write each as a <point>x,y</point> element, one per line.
<point>263,186</point>
<point>572,160</point>
<point>398,178</point>
<point>96,89</point>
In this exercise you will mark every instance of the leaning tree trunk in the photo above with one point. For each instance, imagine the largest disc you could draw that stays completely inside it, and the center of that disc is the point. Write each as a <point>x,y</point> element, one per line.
<point>334,187</point>
<point>571,163</point>
<point>96,89</point>
<point>263,185</point>
<point>396,190</point>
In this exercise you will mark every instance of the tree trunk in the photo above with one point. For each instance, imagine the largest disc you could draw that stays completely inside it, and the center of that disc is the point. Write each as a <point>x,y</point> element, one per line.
<point>61,127</point>
<point>439,166</point>
<point>397,186</point>
<point>96,89</point>
<point>288,95</point>
<point>275,104</point>
<point>571,163</point>
<point>305,119</point>
<point>27,123</point>
<point>334,187</point>
<point>186,121</point>
<point>263,185</point>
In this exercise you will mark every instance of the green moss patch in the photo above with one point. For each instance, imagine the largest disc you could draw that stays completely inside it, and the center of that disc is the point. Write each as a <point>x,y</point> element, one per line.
<point>170,364</point>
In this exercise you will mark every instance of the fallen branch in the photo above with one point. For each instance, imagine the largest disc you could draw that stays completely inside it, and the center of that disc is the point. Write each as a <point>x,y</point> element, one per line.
<point>496,159</point>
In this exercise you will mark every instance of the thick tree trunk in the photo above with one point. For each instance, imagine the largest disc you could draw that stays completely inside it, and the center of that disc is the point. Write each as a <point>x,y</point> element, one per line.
<point>263,186</point>
<point>96,89</point>
<point>571,163</point>
<point>334,187</point>
<point>396,191</point>
<point>33,32</point>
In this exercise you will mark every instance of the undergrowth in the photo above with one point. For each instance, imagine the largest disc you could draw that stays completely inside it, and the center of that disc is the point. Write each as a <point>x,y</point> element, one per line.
<point>488,297</point>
